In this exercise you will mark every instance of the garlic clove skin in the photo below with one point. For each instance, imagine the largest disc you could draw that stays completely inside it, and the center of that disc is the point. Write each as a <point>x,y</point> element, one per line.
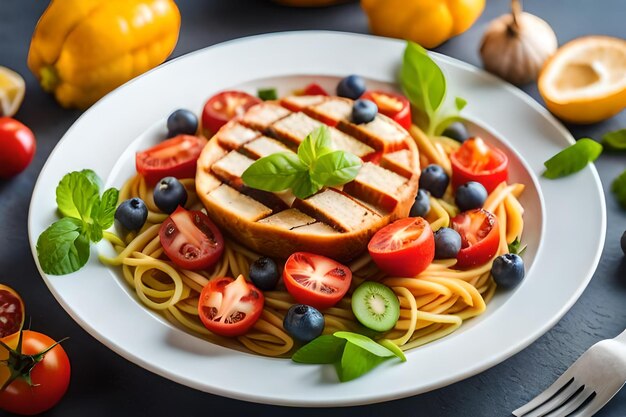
<point>517,50</point>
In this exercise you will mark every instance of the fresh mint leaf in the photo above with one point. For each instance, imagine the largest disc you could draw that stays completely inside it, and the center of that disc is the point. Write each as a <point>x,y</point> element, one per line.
<point>422,80</point>
<point>316,144</point>
<point>460,103</point>
<point>304,186</point>
<point>572,159</point>
<point>336,168</point>
<point>275,172</point>
<point>93,177</point>
<point>618,187</point>
<point>104,210</point>
<point>615,141</point>
<point>323,349</point>
<point>76,194</point>
<point>366,343</point>
<point>267,94</point>
<point>357,361</point>
<point>515,247</point>
<point>62,248</point>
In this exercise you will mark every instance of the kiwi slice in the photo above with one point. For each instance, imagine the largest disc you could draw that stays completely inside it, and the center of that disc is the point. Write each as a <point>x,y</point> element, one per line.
<point>375,306</point>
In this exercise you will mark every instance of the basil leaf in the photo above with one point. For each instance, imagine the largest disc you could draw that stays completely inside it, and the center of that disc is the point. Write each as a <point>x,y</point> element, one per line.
<point>316,144</point>
<point>275,172</point>
<point>422,80</point>
<point>572,159</point>
<point>62,248</point>
<point>92,176</point>
<point>323,349</point>
<point>304,186</point>
<point>267,94</point>
<point>615,140</point>
<point>460,103</point>
<point>357,361</point>
<point>515,247</point>
<point>104,216</point>
<point>618,187</point>
<point>76,194</point>
<point>394,348</point>
<point>366,343</point>
<point>336,168</point>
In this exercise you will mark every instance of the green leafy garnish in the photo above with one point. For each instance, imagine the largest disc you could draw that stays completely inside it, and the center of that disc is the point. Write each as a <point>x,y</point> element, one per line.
<point>267,94</point>
<point>352,354</point>
<point>424,84</point>
<point>63,247</point>
<point>618,187</point>
<point>516,247</point>
<point>314,166</point>
<point>572,159</point>
<point>615,141</point>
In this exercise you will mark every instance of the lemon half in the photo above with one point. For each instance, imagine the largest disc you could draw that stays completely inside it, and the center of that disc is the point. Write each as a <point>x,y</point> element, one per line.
<point>12,89</point>
<point>585,81</point>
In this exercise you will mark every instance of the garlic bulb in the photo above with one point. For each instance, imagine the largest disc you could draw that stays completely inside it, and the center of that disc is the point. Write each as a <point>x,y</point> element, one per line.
<point>515,46</point>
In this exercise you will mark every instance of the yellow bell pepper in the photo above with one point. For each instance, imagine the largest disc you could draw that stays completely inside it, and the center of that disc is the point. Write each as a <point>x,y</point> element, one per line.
<point>427,22</point>
<point>82,49</point>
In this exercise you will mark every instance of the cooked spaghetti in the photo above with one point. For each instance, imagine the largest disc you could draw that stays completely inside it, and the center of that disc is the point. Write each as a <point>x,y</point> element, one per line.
<point>433,303</point>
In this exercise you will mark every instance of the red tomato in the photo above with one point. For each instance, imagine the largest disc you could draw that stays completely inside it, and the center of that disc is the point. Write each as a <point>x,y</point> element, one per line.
<point>477,161</point>
<point>191,240</point>
<point>403,248</point>
<point>480,237</point>
<point>316,280</point>
<point>50,378</point>
<point>17,147</point>
<point>392,105</point>
<point>11,312</point>
<point>225,106</point>
<point>314,89</point>
<point>176,157</point>
<point>230,307</point>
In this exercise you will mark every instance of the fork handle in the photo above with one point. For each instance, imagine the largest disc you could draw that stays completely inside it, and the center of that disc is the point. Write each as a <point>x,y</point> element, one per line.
<point>621,337</point>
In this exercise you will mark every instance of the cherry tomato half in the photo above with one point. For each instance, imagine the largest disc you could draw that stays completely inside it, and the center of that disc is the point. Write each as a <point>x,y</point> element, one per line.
<point>191,240</point>
<point>176,157</point>
<point>11,312</point>
<point>403,248</point>
<point>314,89</point>
<point>223,107</point>
<point>479,237</point>
<point>392,105</point>
<point>230,307</point>
<point>50,378</point>
<point>477,161</point>
<point>316,280</point>
<point>17,147</point>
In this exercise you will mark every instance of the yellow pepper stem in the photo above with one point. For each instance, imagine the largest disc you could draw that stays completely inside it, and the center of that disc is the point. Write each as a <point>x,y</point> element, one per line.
<point>49,78</point>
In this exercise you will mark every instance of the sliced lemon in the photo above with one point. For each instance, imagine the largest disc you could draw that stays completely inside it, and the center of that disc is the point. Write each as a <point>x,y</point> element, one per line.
<point>12,89</point>
<point>585,81</point>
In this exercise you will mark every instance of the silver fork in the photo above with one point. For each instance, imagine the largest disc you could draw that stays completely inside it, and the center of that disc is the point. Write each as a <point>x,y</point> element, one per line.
<point>585,386</point>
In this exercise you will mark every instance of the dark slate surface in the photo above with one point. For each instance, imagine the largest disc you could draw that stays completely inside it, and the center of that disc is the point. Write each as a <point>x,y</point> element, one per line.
<point>104,384</point>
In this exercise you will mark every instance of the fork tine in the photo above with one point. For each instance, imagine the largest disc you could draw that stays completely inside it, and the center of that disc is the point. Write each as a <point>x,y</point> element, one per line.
<point>545,395</point>
<point>555,402</point>
<point>571,406</point>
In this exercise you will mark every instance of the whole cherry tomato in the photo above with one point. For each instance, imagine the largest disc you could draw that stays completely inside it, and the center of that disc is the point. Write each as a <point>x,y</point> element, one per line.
<point>17,147</point>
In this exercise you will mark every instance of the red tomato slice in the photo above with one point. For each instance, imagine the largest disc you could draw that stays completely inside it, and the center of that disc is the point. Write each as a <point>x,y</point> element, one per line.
<point>479,237</point>
<point>176,157</point>
<point>314,89</point>
<point>230,307</point>
<point>191,240</point>
<point>223,107</point>
<point>477,161</point>
<point>11,312</point>
<point>17,147</point>
<point>316,280</point>
<point>403,248</point>
<point>392,105</point>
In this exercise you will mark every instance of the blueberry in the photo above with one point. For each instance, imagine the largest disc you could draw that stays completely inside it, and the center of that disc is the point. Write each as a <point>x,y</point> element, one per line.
<point>508,270</point>
<point>182,122</point>
<point>169,193</point>
<point>623,243</point>
<point>470,195</point>
<point>456,131</point>
<point>352,87</point>
<point>132,214</point>
<point>447,243</point>
<point>364,111</point>
<point>434,180</point>
<point>304,323</point>
<point>264,273</point>
<point>421,206</point>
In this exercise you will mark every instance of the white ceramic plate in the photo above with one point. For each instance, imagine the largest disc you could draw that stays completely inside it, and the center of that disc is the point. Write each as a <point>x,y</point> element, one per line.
<point>563,250</point>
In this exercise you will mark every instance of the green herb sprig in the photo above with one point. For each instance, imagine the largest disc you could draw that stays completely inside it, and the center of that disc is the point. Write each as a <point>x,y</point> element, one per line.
<point>352,354</point>
<point>63,247</point>
<point>314,166</point>
<point>572,159</point>
<point>424,84</point>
